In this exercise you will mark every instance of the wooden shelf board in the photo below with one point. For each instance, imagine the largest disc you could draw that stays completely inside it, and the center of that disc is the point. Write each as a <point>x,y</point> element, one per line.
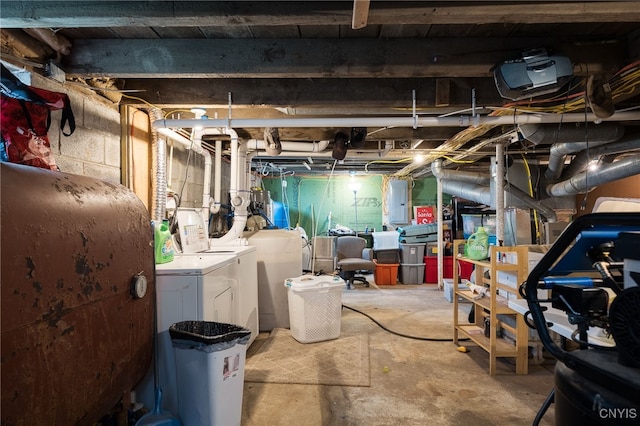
<point>485,302</point>
<point>476,334</point>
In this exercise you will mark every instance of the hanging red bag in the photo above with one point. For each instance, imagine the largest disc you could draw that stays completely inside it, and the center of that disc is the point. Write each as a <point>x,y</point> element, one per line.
<point>25,117</point>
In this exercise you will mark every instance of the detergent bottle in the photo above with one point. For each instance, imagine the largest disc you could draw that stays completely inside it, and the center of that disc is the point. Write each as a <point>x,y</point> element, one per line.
<point>477,247</point>
<point>163,243</point>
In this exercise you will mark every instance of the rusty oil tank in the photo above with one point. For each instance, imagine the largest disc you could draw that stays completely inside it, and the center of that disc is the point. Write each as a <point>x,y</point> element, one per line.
<point>75,339</point>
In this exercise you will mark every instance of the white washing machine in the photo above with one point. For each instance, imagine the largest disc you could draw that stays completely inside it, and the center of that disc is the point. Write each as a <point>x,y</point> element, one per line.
<point>195,243</point>
<point>246,292</point>
<point>191,287</point>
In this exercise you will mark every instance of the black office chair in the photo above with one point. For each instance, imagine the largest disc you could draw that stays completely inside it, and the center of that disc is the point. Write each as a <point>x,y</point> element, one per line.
<point>353,258</point>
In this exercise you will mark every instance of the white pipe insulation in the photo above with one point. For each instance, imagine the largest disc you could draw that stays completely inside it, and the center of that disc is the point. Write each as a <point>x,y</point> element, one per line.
<point>366,154</point>
<point>409,121</point>
<point>499,182</point>
<point>256,144</point>
<point>239,196</point>
<point>217,179</point>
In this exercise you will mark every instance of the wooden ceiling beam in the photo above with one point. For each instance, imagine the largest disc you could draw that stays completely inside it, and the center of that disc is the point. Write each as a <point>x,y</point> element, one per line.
<point>316,96</point>
<point>320,58</point>
<point>75,14</point>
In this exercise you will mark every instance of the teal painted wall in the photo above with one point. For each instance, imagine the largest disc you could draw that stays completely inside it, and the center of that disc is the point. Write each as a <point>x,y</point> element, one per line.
<point>311,198</point>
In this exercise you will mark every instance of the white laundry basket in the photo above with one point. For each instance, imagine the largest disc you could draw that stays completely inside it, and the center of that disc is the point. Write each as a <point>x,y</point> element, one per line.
<point>315,307</point>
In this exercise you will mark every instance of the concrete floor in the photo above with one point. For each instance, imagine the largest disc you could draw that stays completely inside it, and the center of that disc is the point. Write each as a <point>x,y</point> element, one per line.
<point>413,382</point>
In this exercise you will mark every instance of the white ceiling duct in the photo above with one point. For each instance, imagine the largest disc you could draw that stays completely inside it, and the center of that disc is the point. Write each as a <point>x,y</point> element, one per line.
<point>306,147</point>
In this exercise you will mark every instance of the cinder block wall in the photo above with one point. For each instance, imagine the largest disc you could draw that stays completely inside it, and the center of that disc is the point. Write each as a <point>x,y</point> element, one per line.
<point>94,148</point>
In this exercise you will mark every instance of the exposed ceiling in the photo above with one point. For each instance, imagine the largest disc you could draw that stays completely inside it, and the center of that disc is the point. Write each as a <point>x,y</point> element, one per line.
<point>351,63</point>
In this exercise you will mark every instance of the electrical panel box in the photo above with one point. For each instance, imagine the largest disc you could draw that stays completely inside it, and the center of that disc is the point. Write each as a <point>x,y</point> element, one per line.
<point>398,201</point>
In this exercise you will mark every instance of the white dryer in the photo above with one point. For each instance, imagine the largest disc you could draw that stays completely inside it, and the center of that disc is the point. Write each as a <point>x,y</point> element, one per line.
<point>191,287</point>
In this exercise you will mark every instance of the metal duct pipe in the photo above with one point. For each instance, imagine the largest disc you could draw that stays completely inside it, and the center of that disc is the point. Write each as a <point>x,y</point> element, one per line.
<point>469,177</point>
<point>461,121</point>
<point>551,134</point>
<point>480,192</point>
<point>586,181</point>
<point>469,191</point>
<point>559,152</point>
<point>568,140</point>
<point>159,170</point>
<point>532,203</point>
<point>582,159</point>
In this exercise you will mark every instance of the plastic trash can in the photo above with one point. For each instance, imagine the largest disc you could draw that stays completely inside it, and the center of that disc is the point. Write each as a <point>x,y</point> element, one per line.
<point>315,307</point>
<point>210,358</point>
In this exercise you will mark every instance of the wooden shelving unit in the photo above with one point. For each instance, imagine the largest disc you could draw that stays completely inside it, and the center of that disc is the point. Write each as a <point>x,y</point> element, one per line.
<point>493,304</point>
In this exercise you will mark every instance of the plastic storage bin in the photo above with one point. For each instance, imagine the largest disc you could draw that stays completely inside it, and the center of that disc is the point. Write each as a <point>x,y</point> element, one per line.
<point>411,253</point>
<point>447,284</point>
<point>210,358</point>
<point>387,256</point>
<point>385,273</point>
<point>412,273</point>
<point>385,240</point>
<point>315,307</point>
<point>431,269</point>
<point>471,222</point>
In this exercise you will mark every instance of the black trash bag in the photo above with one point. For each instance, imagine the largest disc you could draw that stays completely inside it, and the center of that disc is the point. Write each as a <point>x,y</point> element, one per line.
<point>208,336</point>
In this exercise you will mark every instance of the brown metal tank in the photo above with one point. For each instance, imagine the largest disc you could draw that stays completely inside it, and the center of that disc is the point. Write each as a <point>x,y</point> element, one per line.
<point>75,339</point>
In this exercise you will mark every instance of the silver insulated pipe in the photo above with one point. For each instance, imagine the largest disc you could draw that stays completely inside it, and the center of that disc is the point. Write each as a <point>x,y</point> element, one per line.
<point>158,169</point>
<point>587,180</point>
